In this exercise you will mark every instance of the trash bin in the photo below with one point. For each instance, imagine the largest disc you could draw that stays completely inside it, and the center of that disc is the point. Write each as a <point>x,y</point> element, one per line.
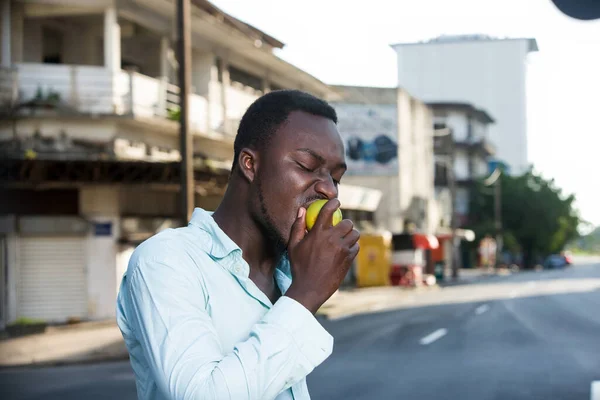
<point>373,260</point>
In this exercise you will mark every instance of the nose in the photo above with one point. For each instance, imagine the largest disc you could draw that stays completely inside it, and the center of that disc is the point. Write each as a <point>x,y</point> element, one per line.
<point>327,188</point>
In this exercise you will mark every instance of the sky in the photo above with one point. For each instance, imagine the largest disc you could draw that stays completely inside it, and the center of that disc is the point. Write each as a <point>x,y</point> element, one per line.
<point>348,42</point>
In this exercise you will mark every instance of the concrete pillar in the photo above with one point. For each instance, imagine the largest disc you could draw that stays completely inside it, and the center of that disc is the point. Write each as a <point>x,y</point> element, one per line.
<point>100,204</point>
<point>164,57</point>
<point>6,34</point>
<point>266,84</point>
<point>112,40</point>
<point>225,84</point>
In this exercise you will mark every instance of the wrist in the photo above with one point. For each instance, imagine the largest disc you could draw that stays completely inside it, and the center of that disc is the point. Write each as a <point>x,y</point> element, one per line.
<point>306,299</point>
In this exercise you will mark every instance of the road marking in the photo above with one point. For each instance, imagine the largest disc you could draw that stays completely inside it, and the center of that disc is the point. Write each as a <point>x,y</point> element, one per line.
<point>513,294</point>
<point>531,284</point>
<point>595,390</point>
<point>481,309</point>
<point>432,337</point>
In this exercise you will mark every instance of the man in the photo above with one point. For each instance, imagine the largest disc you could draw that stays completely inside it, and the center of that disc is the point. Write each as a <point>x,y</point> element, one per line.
<point>224,308</point>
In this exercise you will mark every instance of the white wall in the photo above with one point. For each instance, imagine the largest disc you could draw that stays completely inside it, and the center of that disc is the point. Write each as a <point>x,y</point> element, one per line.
<point>388,213</point>
<point>100,204</point>
<point>480,130</point>
<point>202,65</point>
<point>457,121</point>
<point>409,180</point>
<point>487,74</point>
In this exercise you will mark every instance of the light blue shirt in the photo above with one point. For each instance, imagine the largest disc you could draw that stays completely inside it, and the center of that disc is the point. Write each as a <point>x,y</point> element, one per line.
<point>197,327</point>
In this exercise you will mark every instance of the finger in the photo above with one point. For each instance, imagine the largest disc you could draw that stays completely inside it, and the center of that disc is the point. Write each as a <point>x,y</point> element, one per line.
<point>325,217</point>
<point>351,238</point>
<point>343,228</point>
<point>354,251</point>
<point>298,228</point>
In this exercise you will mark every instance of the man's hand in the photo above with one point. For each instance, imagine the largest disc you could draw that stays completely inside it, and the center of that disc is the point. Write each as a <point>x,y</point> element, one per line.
<point>321,258</point>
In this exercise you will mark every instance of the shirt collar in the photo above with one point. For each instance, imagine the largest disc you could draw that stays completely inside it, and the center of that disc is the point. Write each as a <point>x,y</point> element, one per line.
<point>222,245</point>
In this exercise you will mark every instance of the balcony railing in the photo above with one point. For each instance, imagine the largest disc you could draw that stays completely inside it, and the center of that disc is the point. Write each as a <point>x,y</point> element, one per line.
<point>478,143</point>
<point>95,90</point>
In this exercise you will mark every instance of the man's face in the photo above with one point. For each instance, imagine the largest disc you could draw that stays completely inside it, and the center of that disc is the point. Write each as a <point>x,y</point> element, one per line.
<point>303,162</point>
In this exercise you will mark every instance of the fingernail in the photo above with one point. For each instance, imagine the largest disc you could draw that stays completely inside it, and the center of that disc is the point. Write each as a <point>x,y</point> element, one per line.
<point>300,212</point>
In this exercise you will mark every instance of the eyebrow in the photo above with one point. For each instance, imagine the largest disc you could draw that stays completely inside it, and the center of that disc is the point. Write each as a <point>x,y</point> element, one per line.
<point>321,159</point>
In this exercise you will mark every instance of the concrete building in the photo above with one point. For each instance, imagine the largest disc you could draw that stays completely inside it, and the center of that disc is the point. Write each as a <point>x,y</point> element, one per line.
<point>389,143</point>
<point>470,150</point>
<point>89,138</point>
<point>487,72</point>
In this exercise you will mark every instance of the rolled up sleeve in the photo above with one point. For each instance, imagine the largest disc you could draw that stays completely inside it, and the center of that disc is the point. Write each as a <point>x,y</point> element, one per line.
<point>184,352</point>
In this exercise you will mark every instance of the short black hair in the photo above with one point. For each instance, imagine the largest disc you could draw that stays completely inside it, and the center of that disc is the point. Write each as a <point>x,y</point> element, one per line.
<point>262,119</point>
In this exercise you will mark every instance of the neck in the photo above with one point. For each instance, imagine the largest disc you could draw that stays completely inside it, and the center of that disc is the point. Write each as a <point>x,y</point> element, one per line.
<point>234,218</point>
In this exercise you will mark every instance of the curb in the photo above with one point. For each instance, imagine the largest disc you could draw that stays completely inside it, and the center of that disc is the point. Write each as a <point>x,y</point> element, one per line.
<point>66,362</point>
<point>333,312</point>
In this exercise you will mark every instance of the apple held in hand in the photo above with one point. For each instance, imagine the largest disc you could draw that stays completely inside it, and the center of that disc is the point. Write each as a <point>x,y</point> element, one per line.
<point>313,210</point>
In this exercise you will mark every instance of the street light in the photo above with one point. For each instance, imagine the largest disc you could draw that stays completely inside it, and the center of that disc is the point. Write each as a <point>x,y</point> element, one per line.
<point>447,144</point>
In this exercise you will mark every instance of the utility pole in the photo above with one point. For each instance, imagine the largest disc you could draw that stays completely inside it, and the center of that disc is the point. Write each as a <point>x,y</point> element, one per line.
<point>453,220</point>
<point>498,216</point>
<point>183,22</point>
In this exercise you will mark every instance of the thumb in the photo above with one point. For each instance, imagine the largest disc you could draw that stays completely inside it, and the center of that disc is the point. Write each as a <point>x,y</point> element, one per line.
<point>298,228</point>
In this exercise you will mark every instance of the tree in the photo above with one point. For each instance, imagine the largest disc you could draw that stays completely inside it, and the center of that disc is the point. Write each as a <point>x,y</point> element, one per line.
<point>589,243</point>
<point>537,219</point>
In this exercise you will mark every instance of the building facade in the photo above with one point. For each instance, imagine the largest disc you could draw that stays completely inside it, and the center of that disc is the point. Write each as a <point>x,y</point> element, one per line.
<point>388,136</point>
<point>487,72</point>
<point>89,147</point>
<point>466,148</point>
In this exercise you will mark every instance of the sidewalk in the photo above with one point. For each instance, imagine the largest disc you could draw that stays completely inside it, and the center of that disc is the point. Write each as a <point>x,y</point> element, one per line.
<point>356,301</point>
<point>90,342</point>
<point>347,303</point>
<point>71,344</point>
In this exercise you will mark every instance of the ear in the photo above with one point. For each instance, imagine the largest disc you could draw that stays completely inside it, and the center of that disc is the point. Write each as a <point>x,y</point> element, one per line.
<point>248,163</point>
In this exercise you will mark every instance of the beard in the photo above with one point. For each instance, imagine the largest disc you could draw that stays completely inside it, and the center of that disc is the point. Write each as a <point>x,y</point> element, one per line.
<point>268,226</point>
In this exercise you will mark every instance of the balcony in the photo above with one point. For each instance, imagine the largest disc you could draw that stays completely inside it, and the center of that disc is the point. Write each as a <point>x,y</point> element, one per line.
<point>38,89</point>
<point>481,145</point>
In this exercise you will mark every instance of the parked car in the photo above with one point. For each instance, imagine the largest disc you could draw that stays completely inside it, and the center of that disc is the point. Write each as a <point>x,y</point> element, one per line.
<point>555,261</point>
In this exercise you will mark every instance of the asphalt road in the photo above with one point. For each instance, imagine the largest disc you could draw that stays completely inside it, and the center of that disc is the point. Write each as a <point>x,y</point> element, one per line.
<point>526,336</point>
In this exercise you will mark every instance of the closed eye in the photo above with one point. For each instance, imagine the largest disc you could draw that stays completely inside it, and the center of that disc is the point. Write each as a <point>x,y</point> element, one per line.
<point>304,167</point>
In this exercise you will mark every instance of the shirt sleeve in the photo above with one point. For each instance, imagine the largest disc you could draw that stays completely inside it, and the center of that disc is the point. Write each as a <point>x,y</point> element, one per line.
<point>169,317</point>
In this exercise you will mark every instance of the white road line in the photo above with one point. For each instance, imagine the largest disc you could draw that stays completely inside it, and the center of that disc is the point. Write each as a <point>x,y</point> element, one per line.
<point>481,309</point>
<point>513,294</point>
<point>531,284</point>
<point>432,337</point>
<point>595,390</point>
